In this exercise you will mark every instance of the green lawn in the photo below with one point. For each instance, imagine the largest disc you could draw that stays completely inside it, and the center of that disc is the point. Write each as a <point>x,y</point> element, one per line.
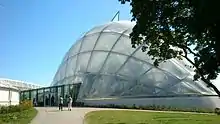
<point>23,117</point>
<point>140,117</point>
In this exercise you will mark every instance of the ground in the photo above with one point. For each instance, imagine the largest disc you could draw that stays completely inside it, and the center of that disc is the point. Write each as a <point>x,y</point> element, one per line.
<point>52,115</point>
<point>141,117</point>
<point>76,116</point>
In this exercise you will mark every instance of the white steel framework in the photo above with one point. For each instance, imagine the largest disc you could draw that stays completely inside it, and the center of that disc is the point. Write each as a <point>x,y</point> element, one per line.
<point>104,61</point>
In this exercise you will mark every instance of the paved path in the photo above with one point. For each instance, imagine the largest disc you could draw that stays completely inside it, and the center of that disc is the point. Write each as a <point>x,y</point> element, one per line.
<point>52,115</point>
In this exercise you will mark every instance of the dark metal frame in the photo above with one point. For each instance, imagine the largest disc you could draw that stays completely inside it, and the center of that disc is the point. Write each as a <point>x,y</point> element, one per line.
<point>29,93</point>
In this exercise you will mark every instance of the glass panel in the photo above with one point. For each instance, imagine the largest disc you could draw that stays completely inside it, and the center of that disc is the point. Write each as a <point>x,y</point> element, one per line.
<point>64,81</point>
<point>157,78</point>
<point>33,95</point>
<point>113,86</point>
<point>97,29</point>
<point>143,56</point>
<point>60,91</point>
<point>106,41</point>
<point>54,96</point>
<point>75,49</point>
<point>138,89</point>
<point>119,27</point>
<point>105,86</point>
<point>99,88</point>
<point>174,69</point>
<point>113,63</point>
<point>76,91</point>
<point>21,96</point>
<point>62,71</point>
<point>65,57</point>
<point>134,68</point>
<point>47,96</point>
<point>124,46</point>
<point>72,90</point>
<point>97,61</point>
<point>128,32</point>
<point>199,85</point>
<point>71,65</point>
<point>56,77</point>
<point>66,94</point>
<point>70,79</point>
<point>40,98</point>
<point>85,88</point>
<point>53,83</point>
<point>26,95</point>
<point>183,88</point>
<point>79,77</point>
<point>89,42</point>
<point>83,62</point>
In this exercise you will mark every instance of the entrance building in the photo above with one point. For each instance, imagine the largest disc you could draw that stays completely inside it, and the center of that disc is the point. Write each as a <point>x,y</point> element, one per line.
<point>49,96</point>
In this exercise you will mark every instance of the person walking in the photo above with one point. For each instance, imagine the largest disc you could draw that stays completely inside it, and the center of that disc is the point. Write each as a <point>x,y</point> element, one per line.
<point>61,103</point>
<point>34,102</point>
<point>70,100</point>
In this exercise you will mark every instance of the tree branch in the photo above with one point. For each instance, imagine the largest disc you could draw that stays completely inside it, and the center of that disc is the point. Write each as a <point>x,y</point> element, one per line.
<point>202,76</point>
<point>187,48</point>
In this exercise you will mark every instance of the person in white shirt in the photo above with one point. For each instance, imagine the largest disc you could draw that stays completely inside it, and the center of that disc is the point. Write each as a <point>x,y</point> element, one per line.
<point>70,100</point>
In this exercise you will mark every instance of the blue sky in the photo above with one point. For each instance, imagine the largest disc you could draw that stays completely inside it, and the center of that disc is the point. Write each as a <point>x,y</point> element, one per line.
<point>36,34</point>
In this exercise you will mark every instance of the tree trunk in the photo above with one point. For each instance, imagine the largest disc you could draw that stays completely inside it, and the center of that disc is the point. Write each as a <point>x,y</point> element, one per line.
<point>211,85</point>
<point>203,78</point>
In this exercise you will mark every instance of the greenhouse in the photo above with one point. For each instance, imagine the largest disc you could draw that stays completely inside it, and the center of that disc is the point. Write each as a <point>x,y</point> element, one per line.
<point>111,71</point>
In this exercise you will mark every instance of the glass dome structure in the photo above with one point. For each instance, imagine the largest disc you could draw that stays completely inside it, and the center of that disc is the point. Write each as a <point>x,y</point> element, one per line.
<point>107,66</point>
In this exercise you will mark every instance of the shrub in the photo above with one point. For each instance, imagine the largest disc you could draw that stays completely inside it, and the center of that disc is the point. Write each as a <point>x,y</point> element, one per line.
<point>152,107</point>
<point>217,111</point>
<point>24,105</point>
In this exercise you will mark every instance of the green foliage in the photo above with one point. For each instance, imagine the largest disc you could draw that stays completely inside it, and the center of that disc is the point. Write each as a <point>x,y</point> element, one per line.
<point>24,105</point>
<point>22,117</point>
<point>19,114</point>
<point>152,107</point>
<point>217,111</point>
<point>176,28</point>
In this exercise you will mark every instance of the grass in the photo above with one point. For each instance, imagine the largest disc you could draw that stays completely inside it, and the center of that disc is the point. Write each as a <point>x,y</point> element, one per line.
<point>23,117</point>
<point>141,117</point>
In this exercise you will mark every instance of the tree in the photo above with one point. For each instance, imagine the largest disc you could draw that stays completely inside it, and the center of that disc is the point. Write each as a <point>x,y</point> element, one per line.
<point>176,28</point>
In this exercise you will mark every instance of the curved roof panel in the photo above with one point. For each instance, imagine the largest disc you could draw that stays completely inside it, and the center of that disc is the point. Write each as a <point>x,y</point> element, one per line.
<point>107,65</point>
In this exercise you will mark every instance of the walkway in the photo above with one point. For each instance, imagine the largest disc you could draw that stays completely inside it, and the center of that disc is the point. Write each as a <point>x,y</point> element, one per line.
<point>54,116</point>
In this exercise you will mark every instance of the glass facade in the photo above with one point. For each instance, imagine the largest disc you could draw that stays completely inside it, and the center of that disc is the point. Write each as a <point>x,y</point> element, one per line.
<point>104,61</point>
<point>48,96</point>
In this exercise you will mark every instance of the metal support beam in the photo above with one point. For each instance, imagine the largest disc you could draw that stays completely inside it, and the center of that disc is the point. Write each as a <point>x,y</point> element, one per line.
<point>117,14</point>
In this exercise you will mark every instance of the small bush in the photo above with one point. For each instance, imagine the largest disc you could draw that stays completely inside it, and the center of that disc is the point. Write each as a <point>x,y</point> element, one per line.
<point>24,105</point>
<point>151,107</point>
<point>23,117</point>
<point>217,111</point>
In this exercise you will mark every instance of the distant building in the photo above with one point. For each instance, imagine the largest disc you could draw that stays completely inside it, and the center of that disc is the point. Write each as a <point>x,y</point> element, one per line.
<point>112,72</point>
<point>10,89</point>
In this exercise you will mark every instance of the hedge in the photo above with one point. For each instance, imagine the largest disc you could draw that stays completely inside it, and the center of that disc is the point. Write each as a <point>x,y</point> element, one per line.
<point>24,105</point>
<point>151,107</point>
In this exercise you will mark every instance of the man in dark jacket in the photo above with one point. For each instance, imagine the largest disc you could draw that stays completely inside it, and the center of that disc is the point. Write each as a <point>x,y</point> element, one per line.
<point>61,103</point>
